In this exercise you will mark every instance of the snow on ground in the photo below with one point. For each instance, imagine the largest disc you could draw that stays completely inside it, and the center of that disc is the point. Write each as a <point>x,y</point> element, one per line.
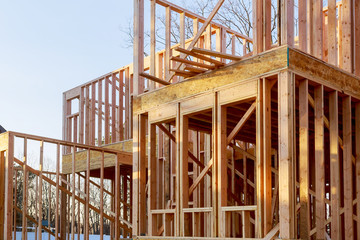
<point>45,236</point>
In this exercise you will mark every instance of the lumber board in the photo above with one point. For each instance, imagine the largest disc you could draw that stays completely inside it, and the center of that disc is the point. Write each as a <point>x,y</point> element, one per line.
<point>153,78</point>
<point>286,155</point>
<point>334,165</point>
<point>241,123</point>
<point>347,168</point>
<point>319,162</point>
<point>216,54</point>
<point>357,163</point>
<point>193,63</point>
<point>304,172</point>
<point>259,171</point>
<point>266,114</point>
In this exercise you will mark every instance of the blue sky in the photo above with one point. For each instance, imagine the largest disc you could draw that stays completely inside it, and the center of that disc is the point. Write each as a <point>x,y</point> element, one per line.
<point>48,47</point>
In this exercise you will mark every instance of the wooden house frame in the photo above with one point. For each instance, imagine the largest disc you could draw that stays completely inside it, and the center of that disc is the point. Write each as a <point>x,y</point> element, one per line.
<point>219,136</point>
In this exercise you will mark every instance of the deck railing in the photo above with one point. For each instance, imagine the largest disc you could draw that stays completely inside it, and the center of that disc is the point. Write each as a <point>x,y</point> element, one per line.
<point>35,192</point>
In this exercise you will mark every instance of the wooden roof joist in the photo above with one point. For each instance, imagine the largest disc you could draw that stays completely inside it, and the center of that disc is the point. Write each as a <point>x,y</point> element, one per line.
<point>200,56</point>
<point>153,78</point>
<point>216,54</point>
<point>190,63</point>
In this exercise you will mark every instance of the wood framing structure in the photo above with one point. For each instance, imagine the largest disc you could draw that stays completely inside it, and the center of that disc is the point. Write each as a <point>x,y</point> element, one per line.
<point>217,136</point>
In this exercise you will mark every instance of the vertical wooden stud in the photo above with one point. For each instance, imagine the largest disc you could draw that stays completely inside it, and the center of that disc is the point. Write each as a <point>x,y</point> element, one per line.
<point>347,167</point>
<point>357,163</point>
<point>334,165</point>
<point>222,165</point>
<point>347,49</point>
<point>259,225</point>
<point>152,174</point>
<point>258,26</point>
<point>303,8</point>
<point>319,162</point>
<point>286,155</point>
<point>152,41</point>
<point>267,24</point>
<point>92,119</point>
<point>167,41</point>
<point>331,38</point>
<point>100,113</point>
<point>138,46</point>
<point>317,29</point>
<point>184,188</point>
<point>304,158</point>
<point>25,192</point>
<point>287,22</point>
<point>266,114</point>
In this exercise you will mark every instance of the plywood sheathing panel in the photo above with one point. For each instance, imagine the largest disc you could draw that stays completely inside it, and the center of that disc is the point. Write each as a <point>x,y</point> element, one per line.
<point>324,73</point>
<point>80,158</point>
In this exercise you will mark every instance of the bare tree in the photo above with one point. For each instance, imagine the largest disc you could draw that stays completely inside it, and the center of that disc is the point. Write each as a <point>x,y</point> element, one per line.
<point>234,14</point>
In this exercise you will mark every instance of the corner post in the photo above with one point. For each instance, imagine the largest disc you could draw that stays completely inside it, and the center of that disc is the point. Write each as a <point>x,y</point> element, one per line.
<point>259,223</point>
<point>8,199</point>
<point>286,154</point>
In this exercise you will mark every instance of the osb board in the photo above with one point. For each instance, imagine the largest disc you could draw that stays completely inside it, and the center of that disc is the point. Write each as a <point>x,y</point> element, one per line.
<point>4,141</point>
<point>265,63</point>
<point>319,71</point>
<point>95,160</point>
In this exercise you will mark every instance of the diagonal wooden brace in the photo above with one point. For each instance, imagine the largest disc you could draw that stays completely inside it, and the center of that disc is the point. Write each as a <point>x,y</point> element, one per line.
<point>241,123</point>
<point>201,176</point>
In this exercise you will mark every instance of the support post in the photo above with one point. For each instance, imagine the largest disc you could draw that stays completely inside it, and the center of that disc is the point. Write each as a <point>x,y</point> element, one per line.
<point>357,163</point>
<point>317,28</point>
<point>222,171</point>
<point>152,174</point>
<point>286,155</point>
<point>184,177</point>
<point>347,167</point>
<point>142,174</point>
<point>319,162</point>
<point>347,49</point>
<point>287,22</point>
<point>334,165</point>
<point>259,225</point>
<point>266,114</point>
<point>8,199</point>
<point>258,26</point>
<point>214,182</point>
<point>138,46</point>
<point>304,159</point>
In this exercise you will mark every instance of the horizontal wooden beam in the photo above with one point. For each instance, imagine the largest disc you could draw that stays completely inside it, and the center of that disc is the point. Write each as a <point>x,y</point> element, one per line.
<point>153,78</point>
<point>194,69</point>
<point>216,54</point>
<point>193,63</point>
<point>200,56</point>
<point>183,73</point>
